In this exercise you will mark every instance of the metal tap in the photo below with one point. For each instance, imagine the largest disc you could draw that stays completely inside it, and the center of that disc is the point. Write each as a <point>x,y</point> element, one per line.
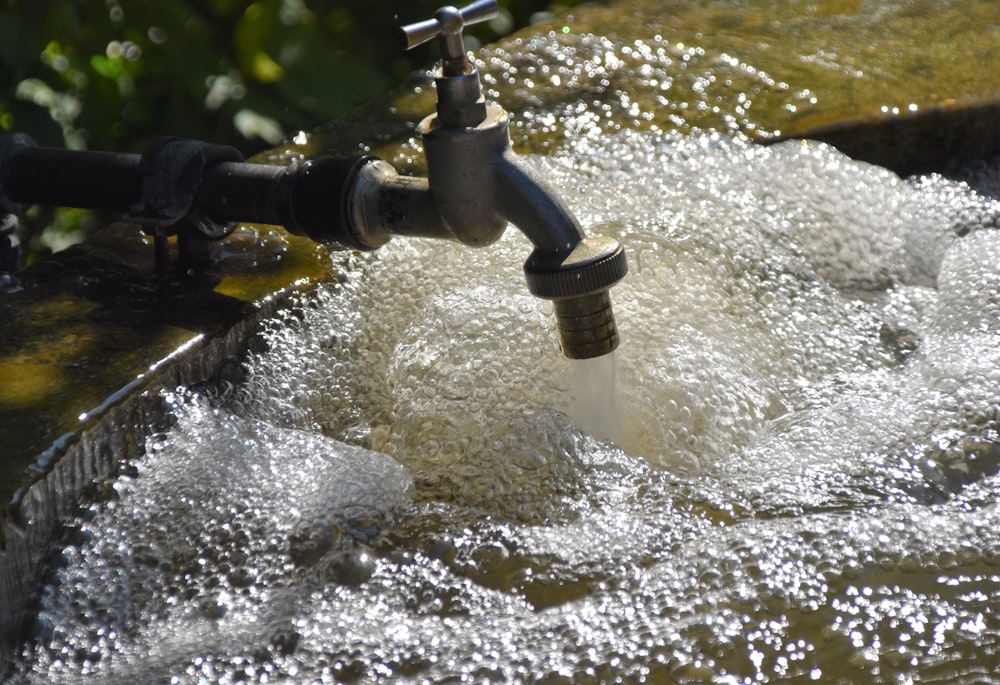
<point>477,187</point>
<point>474,188</point>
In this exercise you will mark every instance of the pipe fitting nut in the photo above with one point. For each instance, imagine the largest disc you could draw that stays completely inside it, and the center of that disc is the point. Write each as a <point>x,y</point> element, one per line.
<point>594,264</point>
<point>460,101</point>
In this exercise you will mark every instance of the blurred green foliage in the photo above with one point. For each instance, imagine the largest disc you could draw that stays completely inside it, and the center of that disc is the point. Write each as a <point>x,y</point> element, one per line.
<point>113,74</point>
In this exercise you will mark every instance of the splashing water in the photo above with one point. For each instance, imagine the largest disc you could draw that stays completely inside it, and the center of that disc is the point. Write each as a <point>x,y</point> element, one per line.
<point>804,486</point>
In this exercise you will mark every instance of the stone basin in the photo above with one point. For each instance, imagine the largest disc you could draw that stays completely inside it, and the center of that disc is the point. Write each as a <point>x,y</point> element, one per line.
<point>94,335</point>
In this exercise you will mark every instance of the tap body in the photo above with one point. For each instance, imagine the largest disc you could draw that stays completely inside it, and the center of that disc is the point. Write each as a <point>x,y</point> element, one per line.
<point>475,187</point>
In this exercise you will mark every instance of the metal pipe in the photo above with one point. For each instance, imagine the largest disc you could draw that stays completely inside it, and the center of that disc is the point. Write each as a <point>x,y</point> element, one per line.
<point>311,199</point>
<point>107,181</point>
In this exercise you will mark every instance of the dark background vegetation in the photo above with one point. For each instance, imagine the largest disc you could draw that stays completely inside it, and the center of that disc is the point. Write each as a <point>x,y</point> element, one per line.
<point>112,74</point>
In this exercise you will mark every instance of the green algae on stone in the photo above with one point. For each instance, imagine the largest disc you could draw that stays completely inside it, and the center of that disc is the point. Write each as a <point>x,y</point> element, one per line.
<point>93,320</point>
<point>769,70</point>
<point>757,67</point>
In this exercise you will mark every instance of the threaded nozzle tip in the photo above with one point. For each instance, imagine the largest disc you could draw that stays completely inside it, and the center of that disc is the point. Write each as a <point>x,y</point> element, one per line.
<point>577,282</point>
<point>587,326</point>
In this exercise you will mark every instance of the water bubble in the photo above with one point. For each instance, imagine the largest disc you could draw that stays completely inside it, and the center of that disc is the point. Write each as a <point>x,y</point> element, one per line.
<point>804,482</point>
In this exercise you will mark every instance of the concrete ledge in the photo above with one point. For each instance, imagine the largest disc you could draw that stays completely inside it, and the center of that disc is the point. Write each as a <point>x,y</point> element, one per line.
<point>90,339</point>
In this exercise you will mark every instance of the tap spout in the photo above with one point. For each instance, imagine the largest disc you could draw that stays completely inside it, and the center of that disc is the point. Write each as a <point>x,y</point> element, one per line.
<point>528,203</point>
<point>476,186</point>
<point>567,267</point>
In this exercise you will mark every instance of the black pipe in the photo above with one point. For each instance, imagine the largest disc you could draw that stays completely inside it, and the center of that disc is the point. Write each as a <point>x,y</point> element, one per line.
<point>310,199</point>
<point>70,178</point>
<point>238,191</point>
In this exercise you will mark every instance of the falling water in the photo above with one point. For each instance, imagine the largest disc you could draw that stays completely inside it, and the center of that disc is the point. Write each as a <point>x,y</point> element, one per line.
<point>595,397</point>
<point>804,485</point>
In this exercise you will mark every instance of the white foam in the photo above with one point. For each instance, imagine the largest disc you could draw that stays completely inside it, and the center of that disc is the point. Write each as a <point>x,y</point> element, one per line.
<point>808,384</point>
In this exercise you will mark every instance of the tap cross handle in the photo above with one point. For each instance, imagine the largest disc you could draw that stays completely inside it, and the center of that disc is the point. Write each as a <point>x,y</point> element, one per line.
<point>447,26</point>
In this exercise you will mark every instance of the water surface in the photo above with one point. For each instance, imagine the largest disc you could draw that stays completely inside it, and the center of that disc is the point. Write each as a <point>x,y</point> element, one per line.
<point>804,483</point>
<point>806,486</point>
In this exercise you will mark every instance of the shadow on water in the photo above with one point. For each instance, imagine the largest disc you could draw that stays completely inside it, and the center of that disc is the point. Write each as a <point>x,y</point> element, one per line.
<point>960,140</point>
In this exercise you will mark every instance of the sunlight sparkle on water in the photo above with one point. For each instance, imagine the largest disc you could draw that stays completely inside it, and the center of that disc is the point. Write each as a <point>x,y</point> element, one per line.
<point>804,484</point>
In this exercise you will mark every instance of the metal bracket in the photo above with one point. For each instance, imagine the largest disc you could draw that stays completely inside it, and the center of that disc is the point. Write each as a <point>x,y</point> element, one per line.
<point>171,170</point>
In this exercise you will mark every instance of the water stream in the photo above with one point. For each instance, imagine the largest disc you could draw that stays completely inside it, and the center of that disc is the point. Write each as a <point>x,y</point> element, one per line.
<point>594,387</point>
<point>803,487</point>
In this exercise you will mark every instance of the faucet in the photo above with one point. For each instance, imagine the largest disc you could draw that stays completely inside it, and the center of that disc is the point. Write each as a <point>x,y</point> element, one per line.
<point>474,188</point>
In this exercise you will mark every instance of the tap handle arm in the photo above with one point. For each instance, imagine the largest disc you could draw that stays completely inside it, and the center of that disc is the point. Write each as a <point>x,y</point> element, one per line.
<point>447,26</point>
